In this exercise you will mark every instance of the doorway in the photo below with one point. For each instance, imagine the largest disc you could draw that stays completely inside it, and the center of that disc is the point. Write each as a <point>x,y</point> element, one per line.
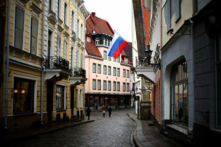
<point>72,101</point>
<point>50,99</point>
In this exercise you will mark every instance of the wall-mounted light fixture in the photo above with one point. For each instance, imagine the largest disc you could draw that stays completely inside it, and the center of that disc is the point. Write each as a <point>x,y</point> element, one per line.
<point>148,53</point>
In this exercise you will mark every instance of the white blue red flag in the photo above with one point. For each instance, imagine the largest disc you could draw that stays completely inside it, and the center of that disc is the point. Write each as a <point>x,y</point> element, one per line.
<point>118,44</point>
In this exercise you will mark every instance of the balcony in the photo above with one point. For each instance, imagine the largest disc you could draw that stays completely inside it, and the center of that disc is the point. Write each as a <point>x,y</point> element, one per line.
<point>57,68</point>
<point>78,76</point>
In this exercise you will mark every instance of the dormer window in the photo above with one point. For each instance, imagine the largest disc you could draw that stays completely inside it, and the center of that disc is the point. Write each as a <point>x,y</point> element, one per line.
<point>88,39</point>
<point>104,42</point>
<point>125,60</point>
<point>97,41</point>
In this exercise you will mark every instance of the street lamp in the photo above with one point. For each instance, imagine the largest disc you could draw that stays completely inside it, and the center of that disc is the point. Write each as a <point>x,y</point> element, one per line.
<point>148,54</point>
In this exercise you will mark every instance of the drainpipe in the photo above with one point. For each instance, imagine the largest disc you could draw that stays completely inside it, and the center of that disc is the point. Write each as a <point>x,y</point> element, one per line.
<point>43,67</point>
<point>7,66</point>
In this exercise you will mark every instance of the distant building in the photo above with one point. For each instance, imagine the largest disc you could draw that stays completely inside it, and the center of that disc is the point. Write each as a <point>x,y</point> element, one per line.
<point>108,78</point>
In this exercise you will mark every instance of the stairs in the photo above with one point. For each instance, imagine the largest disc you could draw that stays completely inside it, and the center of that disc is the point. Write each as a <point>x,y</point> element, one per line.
<point>75,119</point>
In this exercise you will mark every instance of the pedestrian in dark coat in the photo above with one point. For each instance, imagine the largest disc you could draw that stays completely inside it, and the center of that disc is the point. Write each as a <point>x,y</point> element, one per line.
<point>103,110</point>
<point>88,112</point>
<point>109,109</point>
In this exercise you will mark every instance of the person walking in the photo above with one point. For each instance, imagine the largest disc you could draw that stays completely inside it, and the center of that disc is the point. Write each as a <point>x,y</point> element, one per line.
<point>88,112</point>
<point>103,110</point>
<point>109,109</point>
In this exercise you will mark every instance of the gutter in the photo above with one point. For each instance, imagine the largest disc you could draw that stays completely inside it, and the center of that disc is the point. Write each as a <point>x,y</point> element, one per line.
<point>43,67</point>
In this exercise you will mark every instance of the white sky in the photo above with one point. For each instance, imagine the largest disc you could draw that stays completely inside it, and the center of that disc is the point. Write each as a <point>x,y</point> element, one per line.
<point>116,12</point>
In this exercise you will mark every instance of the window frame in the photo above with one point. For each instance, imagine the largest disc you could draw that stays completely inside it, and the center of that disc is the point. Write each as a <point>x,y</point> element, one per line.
<point>32,17</point>
<point>127,73</point>
<point>118,71</point>
<point>105,70</point>
<point>109,70</point>
<point>124,72</point>
<point>114,73</point>
<point>128,87</point>
<point>94,84</point>
<point>99,71</point>
<point>98,84</point>
<point>22,42</point>
<point>109,87</point>
<point>118,86</point>
<point>94,67</point>
<point>124,87</point>
<point>104,84</point>
<point>114,85</point>
<point>105,55</point>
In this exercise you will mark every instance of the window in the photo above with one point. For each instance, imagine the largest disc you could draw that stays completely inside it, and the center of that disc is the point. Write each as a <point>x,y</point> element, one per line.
<point>65,13</point>
<point>94,67</point>
<point>65,50</point>
<point>50,5</point>
<point>109,58</point>
<point>105,70</point>
<point>178,9</point>
<point>97,41</point>
<point>82,32</point>
<point>77,59</point>
<point>109,85</point>
<point>76,98</point>
<point>81,60</point>
<point>99,84</point>
<point>179,94</point>
<point>105,55</point>
<point>114,71</point>
<point>99,68</point>
<point>94,84</point>
<point>118,72</point>
<point>19,28</point>
<point>34,36</point>
<point>118,59</point>
<point>124,87</point>
<point>72,60</point>
<point>88,39</point>
<point>59,97</point>
<point>114,59</point>
<point>125,60</point>
<point>59,8</point>
<point>59,46</point>
<point>114,87</point>
<point>72,17</point>
<point>109,70</point>
<point>127,87</point>
<point>105,85</point>
<point>23,96</point>
<point>118,86</point>
<point>127,73</point>
<point>124,72</point>
<point>77,28</point>
<point>104,42</point>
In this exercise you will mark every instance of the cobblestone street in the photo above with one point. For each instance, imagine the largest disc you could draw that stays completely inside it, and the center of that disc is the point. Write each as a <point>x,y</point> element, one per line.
<point>114,131</point>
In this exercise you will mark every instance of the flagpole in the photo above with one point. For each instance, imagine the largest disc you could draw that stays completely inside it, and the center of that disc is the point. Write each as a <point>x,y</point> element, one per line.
<point>130,45</point>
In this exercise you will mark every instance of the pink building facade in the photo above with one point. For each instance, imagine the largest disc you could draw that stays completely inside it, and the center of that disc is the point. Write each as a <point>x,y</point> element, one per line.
<point>108,78</point>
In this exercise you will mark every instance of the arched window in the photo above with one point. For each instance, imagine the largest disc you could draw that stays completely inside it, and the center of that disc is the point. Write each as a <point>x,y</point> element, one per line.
<point>179,94</point>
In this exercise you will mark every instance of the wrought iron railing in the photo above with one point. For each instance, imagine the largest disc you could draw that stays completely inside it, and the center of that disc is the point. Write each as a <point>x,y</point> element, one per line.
<point>79,72</point>
<point>57,62</point>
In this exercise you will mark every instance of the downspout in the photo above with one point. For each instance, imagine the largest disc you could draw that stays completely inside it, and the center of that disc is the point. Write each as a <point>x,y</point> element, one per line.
<point>43,67</point>
<point>7,66</point>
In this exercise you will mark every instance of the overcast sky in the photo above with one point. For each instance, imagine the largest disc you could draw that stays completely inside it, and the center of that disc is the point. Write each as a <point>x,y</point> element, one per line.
<point>116,12</point>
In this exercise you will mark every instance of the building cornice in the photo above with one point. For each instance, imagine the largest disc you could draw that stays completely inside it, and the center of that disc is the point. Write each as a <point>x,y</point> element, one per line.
<point>90,56</point>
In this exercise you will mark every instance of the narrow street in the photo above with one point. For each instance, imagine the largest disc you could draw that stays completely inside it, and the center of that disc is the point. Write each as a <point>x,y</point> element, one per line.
<point>114,131</point>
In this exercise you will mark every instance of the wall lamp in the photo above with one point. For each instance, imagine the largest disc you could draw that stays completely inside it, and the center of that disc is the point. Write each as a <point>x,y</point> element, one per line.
<point>148,54</point>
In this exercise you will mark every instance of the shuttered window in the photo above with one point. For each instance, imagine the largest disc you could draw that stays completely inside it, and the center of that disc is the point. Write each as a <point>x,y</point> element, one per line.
<point>19,27</point>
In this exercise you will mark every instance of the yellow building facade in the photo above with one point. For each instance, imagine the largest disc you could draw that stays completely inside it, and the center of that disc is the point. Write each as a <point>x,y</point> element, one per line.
<point>46,62</point>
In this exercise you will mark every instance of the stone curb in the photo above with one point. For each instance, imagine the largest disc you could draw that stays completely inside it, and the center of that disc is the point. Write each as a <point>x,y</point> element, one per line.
<point>136,141</point>
<point>44,132</point>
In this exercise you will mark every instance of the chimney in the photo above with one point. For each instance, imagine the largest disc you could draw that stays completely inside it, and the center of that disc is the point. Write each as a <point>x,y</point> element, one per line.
<point>93,14</point>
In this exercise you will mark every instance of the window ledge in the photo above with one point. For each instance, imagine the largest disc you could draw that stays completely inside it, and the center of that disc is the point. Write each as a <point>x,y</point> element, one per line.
<point>178,128</point>
<point>26,114</point>
<point>61,110</point>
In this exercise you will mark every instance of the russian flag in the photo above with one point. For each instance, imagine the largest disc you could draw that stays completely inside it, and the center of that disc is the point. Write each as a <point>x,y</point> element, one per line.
<point>117,46</point>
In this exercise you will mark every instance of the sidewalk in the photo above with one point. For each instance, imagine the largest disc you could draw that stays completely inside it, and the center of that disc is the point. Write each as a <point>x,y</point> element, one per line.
<point>31,132</point>
<point>145,135</point>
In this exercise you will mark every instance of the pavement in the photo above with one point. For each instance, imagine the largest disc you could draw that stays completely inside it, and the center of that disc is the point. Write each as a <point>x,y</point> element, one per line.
<point>119,130</point>
<point>146,135</point>
<point>6,137</point>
